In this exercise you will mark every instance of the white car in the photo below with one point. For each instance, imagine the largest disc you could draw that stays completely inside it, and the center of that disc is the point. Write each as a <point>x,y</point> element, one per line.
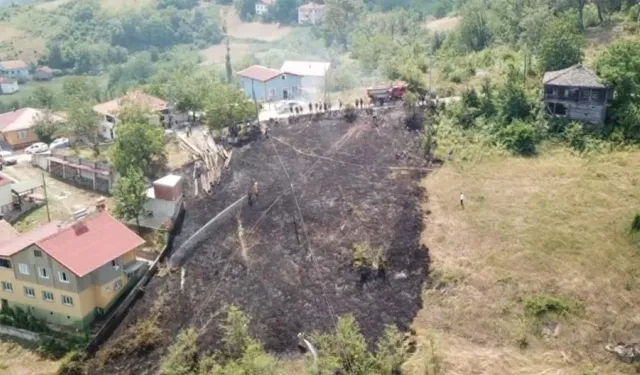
<point>59,143</point>
<point>284,106</point>
<point>5,154</point>
<point>36,148</point>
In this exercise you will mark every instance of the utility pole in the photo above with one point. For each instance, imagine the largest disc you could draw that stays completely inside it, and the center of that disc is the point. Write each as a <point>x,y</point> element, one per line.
<point>430,69</point>
<point>46,197</point>
<point>253,93</point>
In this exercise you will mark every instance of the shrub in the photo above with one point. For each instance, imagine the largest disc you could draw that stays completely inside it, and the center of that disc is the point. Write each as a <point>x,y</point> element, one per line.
<point>542,305</point>
<point>519,137</point>
<point>635,224</point>
<point>575,136</point>
<point>364,256</point>
<point>71,364</point>
<point>182,357</point>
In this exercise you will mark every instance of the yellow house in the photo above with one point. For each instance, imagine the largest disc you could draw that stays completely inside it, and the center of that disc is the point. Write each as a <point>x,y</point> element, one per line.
<point>68,273</point>
<point>17,128</point>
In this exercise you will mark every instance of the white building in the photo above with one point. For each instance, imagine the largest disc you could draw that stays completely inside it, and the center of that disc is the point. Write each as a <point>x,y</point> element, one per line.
<point>314,75</point>
<point>311,14</point>
<point>262,7</point>
<point>164,200</point>
<point>8,85</point>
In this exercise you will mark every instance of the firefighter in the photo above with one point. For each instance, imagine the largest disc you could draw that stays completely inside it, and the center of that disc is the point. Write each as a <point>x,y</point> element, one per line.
<point>310,107</point>
<point>339,104</point>
<point>255,189</point>
<point>249,197</point>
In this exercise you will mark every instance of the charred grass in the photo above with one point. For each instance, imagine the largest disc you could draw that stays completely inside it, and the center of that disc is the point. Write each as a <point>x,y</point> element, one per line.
<point>539,271</point>
<point>290,268</point>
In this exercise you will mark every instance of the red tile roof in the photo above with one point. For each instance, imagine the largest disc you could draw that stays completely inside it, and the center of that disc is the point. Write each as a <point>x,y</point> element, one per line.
<point>23,118</point>
<point>7,80</point>
<point>140,98</point>
<point>16,244</point>
<point>7,232</point>
<point>267,2</point>
<point>5,180</point>
<point>260,73</point>
<point>45,69</point>
<point>87,245</point>
<point>13,64</point>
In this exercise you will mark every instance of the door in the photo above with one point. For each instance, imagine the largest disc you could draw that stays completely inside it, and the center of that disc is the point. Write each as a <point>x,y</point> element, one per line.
<point>285,94</point>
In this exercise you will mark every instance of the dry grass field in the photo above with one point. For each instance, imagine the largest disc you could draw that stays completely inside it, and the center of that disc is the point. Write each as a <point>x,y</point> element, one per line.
<point>538,272</point>
<point>442,24</point>
<point>16,360</point>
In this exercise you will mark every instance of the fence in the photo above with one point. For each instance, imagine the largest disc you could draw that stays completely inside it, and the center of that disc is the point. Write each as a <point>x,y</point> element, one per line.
<point>84,173</point>
<point>19,333</point>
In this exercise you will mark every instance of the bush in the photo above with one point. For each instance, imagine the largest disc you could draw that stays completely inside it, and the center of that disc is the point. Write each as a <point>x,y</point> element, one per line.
<point>71,364</point>
<point>635,224</point>
<point>575,136</point>
<point>519,137</point>
<point>350,113</point>
<point>542,305</point>
<point>182,357</point>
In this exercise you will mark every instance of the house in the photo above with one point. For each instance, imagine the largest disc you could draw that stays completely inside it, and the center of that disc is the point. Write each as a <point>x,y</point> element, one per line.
<point>16,69</point>
<point>8,85</point>
<point>577,94</point>
<point>69,273</point>
<point>262,7</point>
<point>17,127</point>
<point>266,84</point>
<point>6,197</point>
<point>164,201</point>
<point>109,111</point>
<point>314,75</point>
<point>43,73</point>
<point>311,14</point>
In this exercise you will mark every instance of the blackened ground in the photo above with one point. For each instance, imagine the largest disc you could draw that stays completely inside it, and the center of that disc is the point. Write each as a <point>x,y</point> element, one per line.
<point>351,187</point>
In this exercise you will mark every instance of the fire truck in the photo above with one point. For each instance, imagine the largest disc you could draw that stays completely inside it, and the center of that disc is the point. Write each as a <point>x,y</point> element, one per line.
<point>387,93</point>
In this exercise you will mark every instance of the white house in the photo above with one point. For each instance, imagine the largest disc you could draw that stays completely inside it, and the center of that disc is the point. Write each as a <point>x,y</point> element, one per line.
<point>311,14</point>
<point>314,75</point>
<point>8,85</point>
<point>110,110</point>
<point>262,7</point>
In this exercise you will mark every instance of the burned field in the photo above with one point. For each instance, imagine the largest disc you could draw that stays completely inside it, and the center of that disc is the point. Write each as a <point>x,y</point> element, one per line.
<point>287,259</point>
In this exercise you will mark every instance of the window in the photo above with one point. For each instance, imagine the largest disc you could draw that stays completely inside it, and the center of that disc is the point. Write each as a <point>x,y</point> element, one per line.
<point>47,296</point>
<point>7,287</point>
<point>63,277</point>
<point>594,95</point>
<point>114,264</point>
<point>5,263</point>
<point>23,268</point>
<point>117,285</point>
<point>29,292</point>
<point>43,272</point>
<point>22,134</point>
<point>66,300</point>
<point>37,253</point>
<point>284,76</point>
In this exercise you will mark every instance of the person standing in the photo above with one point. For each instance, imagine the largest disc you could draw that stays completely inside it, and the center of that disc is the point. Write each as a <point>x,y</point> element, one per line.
<point>310,107</point>
<point>462,200</point>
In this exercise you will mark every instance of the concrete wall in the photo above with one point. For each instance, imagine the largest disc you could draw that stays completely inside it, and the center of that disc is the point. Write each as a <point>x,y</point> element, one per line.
<point>19,333</point>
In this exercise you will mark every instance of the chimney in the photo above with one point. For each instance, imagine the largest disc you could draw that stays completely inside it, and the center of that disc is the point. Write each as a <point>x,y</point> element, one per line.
<point>101,204</point>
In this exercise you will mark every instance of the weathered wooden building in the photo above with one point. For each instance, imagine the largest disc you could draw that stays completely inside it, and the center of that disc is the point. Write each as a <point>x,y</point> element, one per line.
<point>576,93</point>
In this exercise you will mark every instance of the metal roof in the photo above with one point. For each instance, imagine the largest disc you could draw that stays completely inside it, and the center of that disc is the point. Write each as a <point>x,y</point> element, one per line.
<point>22,187</point>
<point>306,68</point>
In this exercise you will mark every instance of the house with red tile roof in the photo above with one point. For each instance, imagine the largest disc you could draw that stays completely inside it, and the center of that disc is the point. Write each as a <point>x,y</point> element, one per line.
<point>17,127</point>
<point>16,69</point>
<point>265,84</point>
<point>109,111</point>
<point>68,273</point>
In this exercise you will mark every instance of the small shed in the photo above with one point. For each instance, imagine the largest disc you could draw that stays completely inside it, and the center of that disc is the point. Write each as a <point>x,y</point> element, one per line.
<point>43,73</point>
<point>576,93</point>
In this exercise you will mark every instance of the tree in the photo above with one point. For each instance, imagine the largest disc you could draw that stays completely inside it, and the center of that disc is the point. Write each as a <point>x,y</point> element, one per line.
<point>83,88</point>
<point>182,356</point>
<point>43,97</point>
<point>560,45</point>
<point>227,60</point>
<point>191,91</point>
<point>391,353</point>
<point>83,123</point>
<point>236,339</point>
<point>340,19</point>
<point>285,11</point>
<point>474,31</point>
<point>130,193</point>
<point>138,143</point>
<point>228,106</point>
<point>619,67</point>
<point>519,137</point>
<point>245,8</point>
<point>46,127</point>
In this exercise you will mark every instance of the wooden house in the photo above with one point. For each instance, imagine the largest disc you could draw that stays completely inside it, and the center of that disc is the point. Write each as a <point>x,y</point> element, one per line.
<point>576,93</point>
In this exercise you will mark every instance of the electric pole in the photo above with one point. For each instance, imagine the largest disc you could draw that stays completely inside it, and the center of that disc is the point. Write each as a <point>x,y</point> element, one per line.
<point>46,197</point>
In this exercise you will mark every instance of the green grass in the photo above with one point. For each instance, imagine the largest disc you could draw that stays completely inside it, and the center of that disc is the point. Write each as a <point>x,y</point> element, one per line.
<point>38,217</point>
<point>28,89</point>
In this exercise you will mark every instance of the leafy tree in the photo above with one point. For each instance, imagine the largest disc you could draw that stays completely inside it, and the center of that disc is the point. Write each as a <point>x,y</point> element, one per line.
<point>619,66</point>
<point>138,143</point>
<point>245,8</point>
<point>474,31</point>
<point>340,19</point>
<point>285,11</point>
<point>519,137</point>
<point>83,123</point>
<point>43,97</point>
<point>560,46</point>
<point>391,352</point>
<point>178,4</point>
<point>236,339</point>
<point>228,106</point>
<point>512,102</point>
<point>130,194</point>
<point>81,88</point>
<point>46,127</point>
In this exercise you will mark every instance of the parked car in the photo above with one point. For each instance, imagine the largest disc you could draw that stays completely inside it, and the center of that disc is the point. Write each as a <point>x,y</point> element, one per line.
<point>10,160</point>
<point>285,105</point>
<point>59,143</point>
<point>36,148</point>
<point>5,154</point>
